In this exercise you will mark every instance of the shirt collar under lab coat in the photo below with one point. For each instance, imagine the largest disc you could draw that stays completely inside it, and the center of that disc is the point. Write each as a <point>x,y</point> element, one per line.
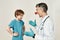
<point>44,18</point>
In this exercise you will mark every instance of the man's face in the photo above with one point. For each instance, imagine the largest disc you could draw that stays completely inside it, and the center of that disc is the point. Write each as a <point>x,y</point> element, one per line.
<point>39,10</point>
<point>19,17</point>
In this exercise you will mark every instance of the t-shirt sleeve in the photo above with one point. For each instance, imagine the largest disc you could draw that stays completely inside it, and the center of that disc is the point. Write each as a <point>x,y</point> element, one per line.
<point>11,24</point>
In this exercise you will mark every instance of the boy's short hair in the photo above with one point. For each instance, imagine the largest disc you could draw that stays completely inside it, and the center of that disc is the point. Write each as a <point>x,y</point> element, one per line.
<point>43,5</point>
<point>19,12</point>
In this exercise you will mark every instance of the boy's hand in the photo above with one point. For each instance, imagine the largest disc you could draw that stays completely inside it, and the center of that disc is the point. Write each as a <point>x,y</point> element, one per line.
<point>15,34</point>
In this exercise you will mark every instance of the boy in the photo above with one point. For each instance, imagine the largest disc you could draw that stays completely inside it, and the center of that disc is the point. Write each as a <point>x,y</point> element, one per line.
<point>17,26</point>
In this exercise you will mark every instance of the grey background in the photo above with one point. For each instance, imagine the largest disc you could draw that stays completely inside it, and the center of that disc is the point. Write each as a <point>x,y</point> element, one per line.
<point>7,8</point>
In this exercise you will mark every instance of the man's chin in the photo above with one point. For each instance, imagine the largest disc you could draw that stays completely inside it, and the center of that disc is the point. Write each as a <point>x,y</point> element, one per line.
<point>39,16</point>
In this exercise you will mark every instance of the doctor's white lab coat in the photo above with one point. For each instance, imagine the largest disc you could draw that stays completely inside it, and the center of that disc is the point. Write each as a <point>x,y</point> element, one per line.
<point>45,31</point>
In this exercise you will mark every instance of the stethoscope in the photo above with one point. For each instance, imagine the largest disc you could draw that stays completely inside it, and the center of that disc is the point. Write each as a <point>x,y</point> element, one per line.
<point>41,28</point>
<point>42,24</point>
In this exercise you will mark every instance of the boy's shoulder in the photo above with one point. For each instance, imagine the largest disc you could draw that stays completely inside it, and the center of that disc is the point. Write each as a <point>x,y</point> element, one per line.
<point>13,20</point>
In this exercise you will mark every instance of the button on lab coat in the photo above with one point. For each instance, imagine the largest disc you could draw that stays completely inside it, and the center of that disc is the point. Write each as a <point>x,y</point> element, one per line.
<point>45,30</point>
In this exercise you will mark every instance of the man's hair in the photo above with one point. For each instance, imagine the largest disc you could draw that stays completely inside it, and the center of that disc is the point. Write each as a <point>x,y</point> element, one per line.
<point>43,5</point>
<point>19,12</point>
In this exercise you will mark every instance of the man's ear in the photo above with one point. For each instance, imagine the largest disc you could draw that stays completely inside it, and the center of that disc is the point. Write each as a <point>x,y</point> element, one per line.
<point>42,9</point>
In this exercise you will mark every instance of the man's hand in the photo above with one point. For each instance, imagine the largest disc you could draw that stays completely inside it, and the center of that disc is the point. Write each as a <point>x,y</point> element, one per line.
<point>32,23</point>
<point>29,33</point>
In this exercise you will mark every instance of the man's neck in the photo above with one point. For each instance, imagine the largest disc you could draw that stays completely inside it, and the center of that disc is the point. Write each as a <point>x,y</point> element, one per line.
<point>44,14</point>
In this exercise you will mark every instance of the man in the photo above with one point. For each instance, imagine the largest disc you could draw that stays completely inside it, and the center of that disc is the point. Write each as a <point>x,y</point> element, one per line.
<point>46,29</point>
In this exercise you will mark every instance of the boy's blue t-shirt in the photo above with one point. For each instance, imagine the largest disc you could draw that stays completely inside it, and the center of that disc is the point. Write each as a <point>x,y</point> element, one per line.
<point>17,26</point>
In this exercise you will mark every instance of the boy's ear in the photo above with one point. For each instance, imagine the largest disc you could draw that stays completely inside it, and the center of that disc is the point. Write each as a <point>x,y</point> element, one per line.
<point>16,15</point>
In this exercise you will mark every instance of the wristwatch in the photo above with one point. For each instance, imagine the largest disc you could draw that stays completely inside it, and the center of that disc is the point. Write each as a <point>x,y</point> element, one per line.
<point>34,36</point>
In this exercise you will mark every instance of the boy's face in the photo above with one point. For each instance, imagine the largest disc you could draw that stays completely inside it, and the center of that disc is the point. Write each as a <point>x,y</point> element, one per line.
<point>39,11</point>
<point>19,17</point>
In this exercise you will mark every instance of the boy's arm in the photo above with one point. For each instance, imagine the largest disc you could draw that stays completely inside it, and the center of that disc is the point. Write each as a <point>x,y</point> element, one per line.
<point>23,29</point>
<point>9,30</point>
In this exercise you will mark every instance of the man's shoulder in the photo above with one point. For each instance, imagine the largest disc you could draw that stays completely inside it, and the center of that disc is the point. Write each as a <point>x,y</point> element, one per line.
<point>49,21</point>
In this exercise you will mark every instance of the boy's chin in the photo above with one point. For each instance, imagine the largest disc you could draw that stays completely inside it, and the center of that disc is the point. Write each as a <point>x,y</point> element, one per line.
<point>19,19</point>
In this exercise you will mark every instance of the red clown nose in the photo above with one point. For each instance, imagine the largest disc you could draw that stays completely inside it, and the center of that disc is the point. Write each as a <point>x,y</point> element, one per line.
<point>36,13</point>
